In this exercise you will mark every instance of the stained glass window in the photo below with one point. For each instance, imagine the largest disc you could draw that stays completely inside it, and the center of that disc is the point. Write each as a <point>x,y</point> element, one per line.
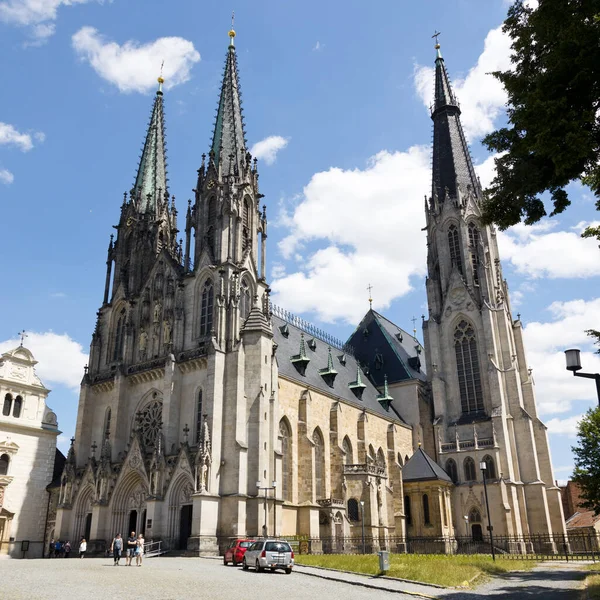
<point>206,310</point>
<point>452,470</point>
<point>286,466</point>
<point>151,423</point>
<point>467,364</point>
<point>469,468</point>
<point>454,245</point>
<point>319,464</point>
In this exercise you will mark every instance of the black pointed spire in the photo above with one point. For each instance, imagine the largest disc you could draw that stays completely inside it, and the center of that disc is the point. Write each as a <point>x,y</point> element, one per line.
<point>229,137</point>
<point>452,165</point>
<point>151,180</point>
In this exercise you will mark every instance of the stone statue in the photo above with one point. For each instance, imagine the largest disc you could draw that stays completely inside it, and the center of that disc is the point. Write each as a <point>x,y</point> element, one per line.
<point>157,311</point>
<point>143,343</point>
<point>166,332</point>
<point>204,477</point>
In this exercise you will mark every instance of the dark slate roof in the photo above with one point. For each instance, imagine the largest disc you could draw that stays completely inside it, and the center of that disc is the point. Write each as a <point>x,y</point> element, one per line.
<point>151,181</point>
<point>451,165</point>
<point>229,137</point>
<point>421,467</point>
<point>318,353</point>
<point>59,465</point>
<point>390,347</point>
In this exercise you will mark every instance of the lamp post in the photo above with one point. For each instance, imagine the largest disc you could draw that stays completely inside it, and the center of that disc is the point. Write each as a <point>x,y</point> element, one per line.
<point>573,358</point>
<point>483,467</point>
<point>362,520</point>
<point>466,518</point>
<point>266,489</point>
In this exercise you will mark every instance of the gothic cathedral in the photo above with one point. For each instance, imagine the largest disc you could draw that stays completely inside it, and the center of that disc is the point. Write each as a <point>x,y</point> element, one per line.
<point>217,414</point>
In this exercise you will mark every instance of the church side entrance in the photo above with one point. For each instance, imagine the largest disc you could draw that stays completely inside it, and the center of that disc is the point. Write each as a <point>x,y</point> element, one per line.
<point>185,525</point>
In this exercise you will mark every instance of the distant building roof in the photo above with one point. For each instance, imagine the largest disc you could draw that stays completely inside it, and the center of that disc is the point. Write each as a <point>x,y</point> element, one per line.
<point>59,465</point>
<point>421,467</point>
<point>582,520</point>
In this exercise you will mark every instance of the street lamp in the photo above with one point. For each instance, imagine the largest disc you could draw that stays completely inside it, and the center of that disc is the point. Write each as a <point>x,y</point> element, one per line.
<point>466,518</point>
<point>573,357</point>
<point>483,467</point>
<point>362,520</point>
<point>266,489</point>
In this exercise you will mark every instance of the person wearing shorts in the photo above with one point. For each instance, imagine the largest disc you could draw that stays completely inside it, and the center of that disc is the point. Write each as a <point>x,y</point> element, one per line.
<point>117,549</point>
<point>139,550</point>
<point>131,546</point>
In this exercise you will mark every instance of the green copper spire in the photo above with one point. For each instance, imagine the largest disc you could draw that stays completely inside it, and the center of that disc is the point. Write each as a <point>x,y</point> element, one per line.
<point>385,399</point>
<point>229,137</point>
<point>151,180</point>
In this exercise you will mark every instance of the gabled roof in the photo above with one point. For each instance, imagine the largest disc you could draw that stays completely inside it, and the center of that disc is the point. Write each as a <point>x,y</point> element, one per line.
<point>316,362</point>
<point>378,340</point>
<point>582,519</point>
<point>151,179</point>
<point>421,467</point>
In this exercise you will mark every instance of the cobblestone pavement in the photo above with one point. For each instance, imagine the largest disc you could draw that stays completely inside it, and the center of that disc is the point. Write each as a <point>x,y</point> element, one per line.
<point>178,578</point>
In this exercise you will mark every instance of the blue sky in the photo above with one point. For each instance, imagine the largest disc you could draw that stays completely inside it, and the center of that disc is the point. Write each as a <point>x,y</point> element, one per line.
<point>336,94</point>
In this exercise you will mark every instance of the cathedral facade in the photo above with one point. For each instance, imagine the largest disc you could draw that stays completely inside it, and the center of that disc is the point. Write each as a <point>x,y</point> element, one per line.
<point>207,413</point>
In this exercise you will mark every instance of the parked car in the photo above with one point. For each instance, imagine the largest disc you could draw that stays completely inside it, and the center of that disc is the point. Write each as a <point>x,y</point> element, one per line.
<point>235,552</point>
<point>269,554</point>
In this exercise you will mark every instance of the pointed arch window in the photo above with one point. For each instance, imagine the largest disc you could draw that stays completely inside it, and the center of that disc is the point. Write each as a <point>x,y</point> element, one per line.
<point>206,308</point>
<point>454,246</point>
<point>286,459</point>
<point>246,224</point>
<point>353,514</point>
<point>107,417</point>
<point>319,464</point>
<point>119,336</point>
<point>211,222</point>
<point>426,515</point>
<point>6,408</point>
<point>199,417</point>
<point>490,471</point>
<point>474,245</point>
<point>17,408</point>
<point>469,469</point>
<point>244,301</point>
<point>380,460</point>
<point>407,510</point>
<point>452,470</point>
<point>4,462</point>
<point>467,365</point>
<point>347,448</point>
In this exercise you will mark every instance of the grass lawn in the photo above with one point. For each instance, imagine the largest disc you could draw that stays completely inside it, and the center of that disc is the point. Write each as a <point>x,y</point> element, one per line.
<point>442,569</point>
<point>592,582</point>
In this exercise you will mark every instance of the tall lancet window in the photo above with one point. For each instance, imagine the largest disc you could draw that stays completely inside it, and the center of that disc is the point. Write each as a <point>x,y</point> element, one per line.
<point>474,246</point>
<point>454,246</point>
<point>210,222</point>
<point>244,301</point>
<point>467,364</point>
<point>319,464</point>
<point>206,308</point>
<point>119,337</point>
<point>199,417</point>
<point>246,224</point>
<point>286,459</point>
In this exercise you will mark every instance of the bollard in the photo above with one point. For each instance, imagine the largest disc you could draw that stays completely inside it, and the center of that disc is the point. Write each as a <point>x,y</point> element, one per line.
<point>384,561</point>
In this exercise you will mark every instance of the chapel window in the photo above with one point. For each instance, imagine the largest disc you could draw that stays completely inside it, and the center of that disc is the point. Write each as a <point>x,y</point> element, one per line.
<point>6,408</point>
<point>206,308</point>
<point>467,364</point>
<point>426,516</point>
<point>407,510</point>
<point>353,514</point>
<point>347,448</point>
<point>17,407</point>
<point>286,459</point>
<point>319,464</point>
<point>4,462</point>
<point>490,467</point>
<point>469,469</point>
<point>452,470</point>
<point>454,246</point>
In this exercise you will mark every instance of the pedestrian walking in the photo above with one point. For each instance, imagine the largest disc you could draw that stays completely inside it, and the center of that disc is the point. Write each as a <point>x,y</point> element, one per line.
<point>58,548</point>
<point>117,548</point>
<point>131,546</point>
<point>67,549</point>
<point>82,548</point>
<point>51,548</point>
<point>139,550</point>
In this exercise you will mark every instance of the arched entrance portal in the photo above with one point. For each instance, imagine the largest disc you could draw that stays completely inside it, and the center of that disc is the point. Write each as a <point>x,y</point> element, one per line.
<point>88,526</point>
<point>179,523</point>
<point>475,520</point>
<point>82,526</point>
<point>185,525</point>
<point>129,505</point>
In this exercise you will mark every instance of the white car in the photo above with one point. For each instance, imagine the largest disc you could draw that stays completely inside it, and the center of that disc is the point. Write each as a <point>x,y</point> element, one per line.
<point>269,554</point>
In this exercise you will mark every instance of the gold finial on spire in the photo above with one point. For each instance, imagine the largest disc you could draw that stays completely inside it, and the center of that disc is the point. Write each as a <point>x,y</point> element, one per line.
<point>232,30</point>
<point>161,79</point>
<point>437,43</point>
<point>369,288</point>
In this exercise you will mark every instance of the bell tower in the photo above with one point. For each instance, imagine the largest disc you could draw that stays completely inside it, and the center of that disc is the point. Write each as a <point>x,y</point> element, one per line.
<point>484,403</point>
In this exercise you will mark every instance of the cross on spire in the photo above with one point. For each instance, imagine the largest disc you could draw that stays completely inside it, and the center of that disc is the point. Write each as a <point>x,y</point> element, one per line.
<point>370,288</point>
<point>22,335</point>
<point>414,322</point>
<point>435,35</point>
<point>232,18</point>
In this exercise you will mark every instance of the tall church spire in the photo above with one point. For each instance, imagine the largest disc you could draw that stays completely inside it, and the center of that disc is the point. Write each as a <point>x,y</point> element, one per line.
<point>151,180</point>
<point>452,165</point>
<point>229,137</point>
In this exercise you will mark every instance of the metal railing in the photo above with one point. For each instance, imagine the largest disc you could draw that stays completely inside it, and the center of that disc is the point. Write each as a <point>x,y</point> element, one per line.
<point>154,549</point>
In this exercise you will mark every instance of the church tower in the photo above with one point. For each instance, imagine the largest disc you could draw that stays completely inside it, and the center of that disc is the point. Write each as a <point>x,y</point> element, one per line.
<point>484,403</point>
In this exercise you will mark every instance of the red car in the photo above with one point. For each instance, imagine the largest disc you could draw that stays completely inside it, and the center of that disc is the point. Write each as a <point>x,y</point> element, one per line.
<point>235,552</point>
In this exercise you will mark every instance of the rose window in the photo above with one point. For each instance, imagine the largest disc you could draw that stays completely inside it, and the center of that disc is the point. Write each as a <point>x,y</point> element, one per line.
<point>151,423</point>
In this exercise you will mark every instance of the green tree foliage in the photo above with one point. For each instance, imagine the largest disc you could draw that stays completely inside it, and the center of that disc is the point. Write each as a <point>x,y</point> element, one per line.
<point>553,132</point>
<point>595,334</point>
<point>587,459</point>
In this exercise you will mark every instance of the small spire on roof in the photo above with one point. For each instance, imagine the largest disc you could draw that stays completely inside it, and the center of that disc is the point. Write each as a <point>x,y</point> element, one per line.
<point>437,43</point>
<point>370,288</point>
<point>161,79</point>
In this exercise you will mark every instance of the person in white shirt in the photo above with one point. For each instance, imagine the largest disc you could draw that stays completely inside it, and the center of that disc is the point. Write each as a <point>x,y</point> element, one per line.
<point>82,548</point>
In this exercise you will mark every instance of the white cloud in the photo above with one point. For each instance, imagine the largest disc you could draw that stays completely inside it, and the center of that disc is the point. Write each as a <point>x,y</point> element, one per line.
<point>537,251</point>
<point>9,135</point>
<point>60,358</point>
<point>482,97</point>
<point>38,14</point>
<point>353,215</point>
<point>268,148</point>
<point>317,46</point>
<point>6,176</point>
<point>566,426</point>
<point>545,343</point>
<point>133,67</point>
